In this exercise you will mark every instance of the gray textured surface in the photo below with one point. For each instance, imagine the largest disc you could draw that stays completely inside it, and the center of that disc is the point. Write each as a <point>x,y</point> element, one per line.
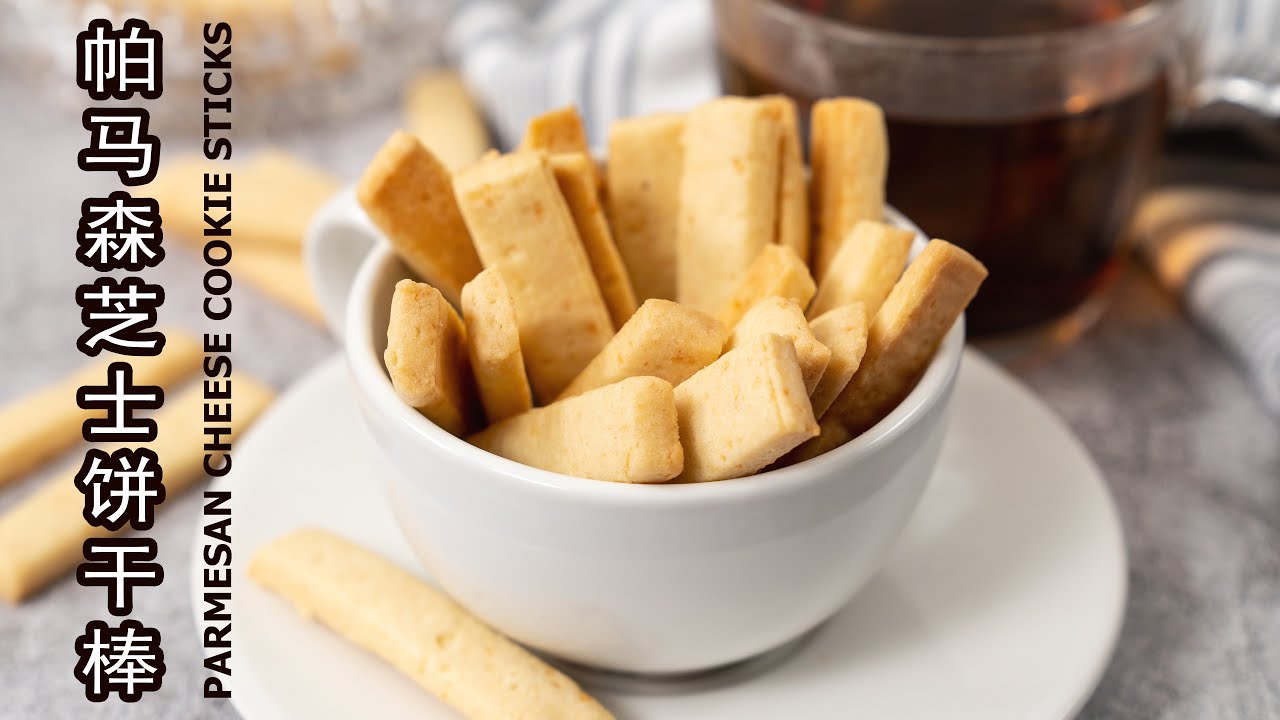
<point>1193,461</point>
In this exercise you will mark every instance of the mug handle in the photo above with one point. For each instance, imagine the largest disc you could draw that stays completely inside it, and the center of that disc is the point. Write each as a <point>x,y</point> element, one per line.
<point>337,241</point>
<point>1231,59</point>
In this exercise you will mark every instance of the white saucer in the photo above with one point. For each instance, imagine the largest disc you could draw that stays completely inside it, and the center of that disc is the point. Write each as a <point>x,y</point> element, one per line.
<point>1002,600</point>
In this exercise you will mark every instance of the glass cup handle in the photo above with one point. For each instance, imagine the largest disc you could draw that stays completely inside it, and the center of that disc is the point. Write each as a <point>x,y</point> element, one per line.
<point>1243,91</point>
<point>1232,59</point>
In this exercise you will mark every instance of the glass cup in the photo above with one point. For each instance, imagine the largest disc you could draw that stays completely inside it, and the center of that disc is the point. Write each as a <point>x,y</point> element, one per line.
<point>1024,130</point>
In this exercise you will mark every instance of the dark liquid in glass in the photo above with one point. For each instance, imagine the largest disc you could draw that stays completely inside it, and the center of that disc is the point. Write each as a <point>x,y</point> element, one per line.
<point>1042,201</point>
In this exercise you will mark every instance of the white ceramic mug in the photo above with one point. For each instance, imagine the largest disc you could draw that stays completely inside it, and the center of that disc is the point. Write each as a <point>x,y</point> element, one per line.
<point>628,578</point>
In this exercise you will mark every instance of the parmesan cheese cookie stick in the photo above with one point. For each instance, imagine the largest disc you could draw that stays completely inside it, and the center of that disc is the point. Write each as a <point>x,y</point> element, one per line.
<point>784,317</point>
<point>276,195</point>
<point>777,270</point>
<point>280,275</point>
<point>42,537</point>
<point>793,198</point>
<point>663,339</point>
<point>493,343</point>
<point>45,422</point>
<point>560,131</point>
<point>906,332</point>
<point>408,194</point>
<point>522,226</point>
<point>831,435</point>
<point>625,432</point>
<point>646,158</point>
<point>844,332</point>
<point>864,269</point>
<point>575,174</point>
<point>743,411</point>
<point>426,357</point>
<point>849,154</point>
<point>556,131</point>
<point>728,197</point>
<point>442,114</point>
<point>417,629</point>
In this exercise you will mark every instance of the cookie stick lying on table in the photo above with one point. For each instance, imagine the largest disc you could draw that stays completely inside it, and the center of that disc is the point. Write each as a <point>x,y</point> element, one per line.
<point>777,270</point>
<point>522,226</point>
<point>43,423</point>
<point>784,316</point>
<point>849,156</point>
<point>728,197</point>
<point>276,195</point>
<point>408,194</point>
<point>792,228</point>
<point>906,332</point>
<point>844,332</point>
<point>442,114</point>
<point>420,631</point>
<point>864,269</point>
<point>625,432</point>
<point>42,537</point>
<point>281,276</point>
<point>575,174</point>
<point>646,159</point>
<point>743,411</point>
<point>427,360</point>
<point>663,339</point>
<point>493,345</point>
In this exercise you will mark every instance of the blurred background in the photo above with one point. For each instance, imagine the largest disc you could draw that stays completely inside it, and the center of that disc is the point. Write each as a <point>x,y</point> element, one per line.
<point>1116,163</point>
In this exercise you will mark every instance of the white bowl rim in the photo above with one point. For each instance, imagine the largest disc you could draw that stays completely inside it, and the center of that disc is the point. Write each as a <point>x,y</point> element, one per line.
<point>365,365</point>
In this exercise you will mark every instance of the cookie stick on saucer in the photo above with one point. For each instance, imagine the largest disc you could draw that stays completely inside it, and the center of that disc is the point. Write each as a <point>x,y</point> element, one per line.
<point>417,629</point>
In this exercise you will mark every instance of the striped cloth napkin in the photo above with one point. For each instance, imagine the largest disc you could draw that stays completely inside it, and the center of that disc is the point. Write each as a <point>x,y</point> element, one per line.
<point>617,58</point>
<point>1220,251</point>
<point>611,58</point>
